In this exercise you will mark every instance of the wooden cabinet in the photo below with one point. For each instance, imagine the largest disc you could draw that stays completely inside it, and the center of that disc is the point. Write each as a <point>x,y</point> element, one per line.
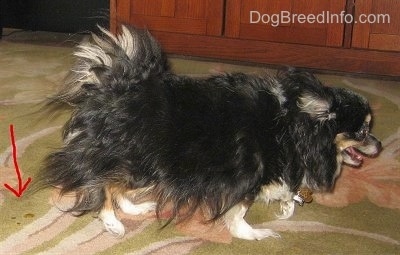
<point>383,30</point>
<point>285,21</point>
<point>203,17</point>
<point>225,29</point>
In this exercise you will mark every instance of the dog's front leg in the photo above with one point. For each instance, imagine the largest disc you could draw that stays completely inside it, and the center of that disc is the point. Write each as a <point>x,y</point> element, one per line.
<point>287,209</point>
<point>238,227</point>
<point>278,192</point>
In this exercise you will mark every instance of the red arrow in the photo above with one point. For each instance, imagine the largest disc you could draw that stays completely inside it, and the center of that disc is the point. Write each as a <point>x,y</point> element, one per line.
<point>21,187</point>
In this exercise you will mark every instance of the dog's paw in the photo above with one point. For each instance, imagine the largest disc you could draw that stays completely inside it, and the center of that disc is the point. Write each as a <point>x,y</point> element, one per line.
<point>133,209</point>
<point>112,224</point>
<point>115,228</point>
<point>287,210</point>
<point>241,229</point>
<point>255,234</point>
<point>259,234</point>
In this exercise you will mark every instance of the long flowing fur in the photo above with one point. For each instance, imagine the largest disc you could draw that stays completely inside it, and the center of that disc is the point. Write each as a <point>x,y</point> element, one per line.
<point>196,143</point>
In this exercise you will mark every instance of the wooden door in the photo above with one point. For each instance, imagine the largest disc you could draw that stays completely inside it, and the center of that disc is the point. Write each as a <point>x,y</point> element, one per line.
<point>200,17</point>
<point>242,14</point>
<point>377,25</point>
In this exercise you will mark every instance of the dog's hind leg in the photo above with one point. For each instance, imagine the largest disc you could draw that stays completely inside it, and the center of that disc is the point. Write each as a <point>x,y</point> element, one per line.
<point>129,207</point>
<point>238,227</point>
<point>135,209</point>
<point>107,215</point>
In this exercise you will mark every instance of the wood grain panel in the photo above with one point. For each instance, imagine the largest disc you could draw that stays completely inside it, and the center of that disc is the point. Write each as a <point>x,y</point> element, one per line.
<point>168,8</point>
<point>382,35</point>
<point>181,16</point>
<point>386,7</point>
<point>191,36</point>
<point>191,9</point>
<point>289,34</point>
<point>214,17</point>
<point>385,42</point>
<point>113,16</point>
<point>329,58</point>
<point>123,10</point>
<point>348,27</point>
<point>152,7</point>
<point>361,31</point>
<point>176,25</point>
<point>137,6</point>
<point>232,18</point>
<point>181,8</point>
<point>197,9</point>
<point>335,32</point>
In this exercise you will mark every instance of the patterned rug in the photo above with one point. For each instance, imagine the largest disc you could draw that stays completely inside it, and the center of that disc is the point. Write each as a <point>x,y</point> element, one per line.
<point>361,216</point>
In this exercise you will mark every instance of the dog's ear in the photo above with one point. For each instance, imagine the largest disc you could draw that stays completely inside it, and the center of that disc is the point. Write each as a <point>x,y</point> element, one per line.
<point>315,154</point>
<point>317,107</point>
<point>321,162</point>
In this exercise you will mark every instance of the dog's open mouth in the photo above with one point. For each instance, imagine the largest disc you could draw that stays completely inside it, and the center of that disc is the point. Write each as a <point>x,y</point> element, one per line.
<point>352,156</point>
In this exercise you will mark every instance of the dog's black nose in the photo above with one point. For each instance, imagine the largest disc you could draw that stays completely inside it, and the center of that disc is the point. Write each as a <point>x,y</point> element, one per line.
<point>379,146</point>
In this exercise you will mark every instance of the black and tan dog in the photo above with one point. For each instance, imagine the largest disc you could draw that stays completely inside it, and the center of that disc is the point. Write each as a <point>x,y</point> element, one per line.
<point>216,144</point>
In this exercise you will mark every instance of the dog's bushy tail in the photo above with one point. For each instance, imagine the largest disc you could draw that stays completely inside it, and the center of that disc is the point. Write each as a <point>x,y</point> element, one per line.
<point>112,63</point>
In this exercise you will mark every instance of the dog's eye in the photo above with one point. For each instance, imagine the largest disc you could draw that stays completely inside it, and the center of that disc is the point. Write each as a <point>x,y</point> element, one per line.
<point>363,132</point>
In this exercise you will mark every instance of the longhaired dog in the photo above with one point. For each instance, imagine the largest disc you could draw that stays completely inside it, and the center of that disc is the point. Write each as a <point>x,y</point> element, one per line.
<point>213,144</point>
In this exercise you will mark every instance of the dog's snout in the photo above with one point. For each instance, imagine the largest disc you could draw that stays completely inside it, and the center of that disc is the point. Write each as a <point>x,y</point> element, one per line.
<point>371,146</point>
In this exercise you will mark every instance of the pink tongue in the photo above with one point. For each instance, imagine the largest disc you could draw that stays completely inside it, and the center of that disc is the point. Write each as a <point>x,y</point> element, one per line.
<point>354,154</point>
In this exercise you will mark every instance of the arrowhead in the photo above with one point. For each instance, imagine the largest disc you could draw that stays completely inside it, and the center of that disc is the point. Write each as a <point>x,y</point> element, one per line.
<point>20,190</point>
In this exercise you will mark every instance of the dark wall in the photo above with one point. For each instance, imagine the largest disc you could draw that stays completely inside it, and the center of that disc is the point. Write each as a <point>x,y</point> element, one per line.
<point>55,15</point>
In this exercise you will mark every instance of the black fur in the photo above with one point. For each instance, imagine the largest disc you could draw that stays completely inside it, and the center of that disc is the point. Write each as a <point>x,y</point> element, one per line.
<point>209,142</point>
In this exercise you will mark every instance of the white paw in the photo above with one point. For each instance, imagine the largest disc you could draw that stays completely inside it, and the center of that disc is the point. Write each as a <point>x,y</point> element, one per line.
<point>112,224</point>
<point>259,234</point>
<point>128,207</point>
<point>256,234</point>
<point>241,229</point>
<point>287,210</point>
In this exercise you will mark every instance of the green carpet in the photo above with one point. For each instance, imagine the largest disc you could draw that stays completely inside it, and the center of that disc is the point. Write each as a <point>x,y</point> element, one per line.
<point>361,216</point>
